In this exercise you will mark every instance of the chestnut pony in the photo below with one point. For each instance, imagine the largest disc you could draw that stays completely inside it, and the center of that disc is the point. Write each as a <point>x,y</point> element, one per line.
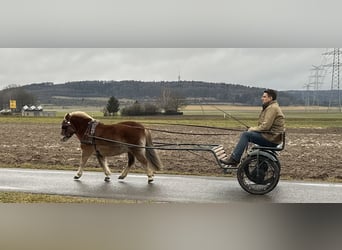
<point>128,133</point>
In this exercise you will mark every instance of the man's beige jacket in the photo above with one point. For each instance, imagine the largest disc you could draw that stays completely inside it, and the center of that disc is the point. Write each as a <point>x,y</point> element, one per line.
<point>271,123</point>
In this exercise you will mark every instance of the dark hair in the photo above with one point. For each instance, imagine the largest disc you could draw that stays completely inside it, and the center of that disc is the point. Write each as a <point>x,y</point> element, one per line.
<point>271,93</point>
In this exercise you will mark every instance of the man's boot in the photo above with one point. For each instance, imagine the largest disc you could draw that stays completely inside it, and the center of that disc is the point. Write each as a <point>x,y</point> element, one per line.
<point>231,162</point>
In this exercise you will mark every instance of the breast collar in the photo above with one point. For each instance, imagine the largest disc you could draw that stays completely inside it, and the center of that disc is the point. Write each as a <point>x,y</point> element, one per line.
<point>90,132</point>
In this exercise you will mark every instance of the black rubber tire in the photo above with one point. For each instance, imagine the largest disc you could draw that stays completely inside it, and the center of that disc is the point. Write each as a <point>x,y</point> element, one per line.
<point>258,174</point>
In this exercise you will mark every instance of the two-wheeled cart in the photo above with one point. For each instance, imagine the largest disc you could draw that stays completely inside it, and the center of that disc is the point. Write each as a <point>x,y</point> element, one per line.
<point>258,173</point>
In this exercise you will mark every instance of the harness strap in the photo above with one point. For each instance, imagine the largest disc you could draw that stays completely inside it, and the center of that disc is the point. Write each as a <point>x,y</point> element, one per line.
<point>88,137</point>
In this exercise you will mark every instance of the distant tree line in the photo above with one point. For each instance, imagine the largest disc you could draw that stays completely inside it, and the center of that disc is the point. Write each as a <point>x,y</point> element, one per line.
<point>95,93</point>
<point>17,93</point>
<point>194,91</point>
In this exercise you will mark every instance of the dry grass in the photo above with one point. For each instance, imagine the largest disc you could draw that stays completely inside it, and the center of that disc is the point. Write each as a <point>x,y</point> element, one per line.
<point>16,197</point>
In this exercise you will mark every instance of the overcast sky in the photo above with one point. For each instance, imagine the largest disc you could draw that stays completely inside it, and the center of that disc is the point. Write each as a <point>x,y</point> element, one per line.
<point>281,69</point>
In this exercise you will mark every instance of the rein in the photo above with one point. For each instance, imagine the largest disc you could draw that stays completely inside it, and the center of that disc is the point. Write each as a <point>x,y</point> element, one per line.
<point>187,125</point>
<point>187,133</point>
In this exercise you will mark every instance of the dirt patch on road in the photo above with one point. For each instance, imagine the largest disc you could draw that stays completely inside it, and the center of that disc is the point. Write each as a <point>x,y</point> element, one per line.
<point>309,153</point>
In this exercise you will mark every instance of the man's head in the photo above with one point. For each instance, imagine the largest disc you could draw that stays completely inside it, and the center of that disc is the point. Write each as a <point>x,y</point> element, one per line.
<point>268,96</point>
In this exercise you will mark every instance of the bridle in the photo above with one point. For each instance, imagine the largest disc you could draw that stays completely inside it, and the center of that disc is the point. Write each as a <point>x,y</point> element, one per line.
<point>68,130</point>
<point>66,125</point>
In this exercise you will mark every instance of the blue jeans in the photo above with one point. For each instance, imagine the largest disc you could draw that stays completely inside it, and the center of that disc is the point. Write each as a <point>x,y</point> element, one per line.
<point>253,137</point>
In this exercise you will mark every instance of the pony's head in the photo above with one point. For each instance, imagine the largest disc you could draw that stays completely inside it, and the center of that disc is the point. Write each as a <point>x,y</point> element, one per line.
<point>67,129</point>
<point>71,124</point>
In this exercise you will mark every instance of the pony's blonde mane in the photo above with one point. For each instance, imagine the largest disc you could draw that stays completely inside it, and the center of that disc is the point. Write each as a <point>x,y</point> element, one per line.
<point>81,114</point>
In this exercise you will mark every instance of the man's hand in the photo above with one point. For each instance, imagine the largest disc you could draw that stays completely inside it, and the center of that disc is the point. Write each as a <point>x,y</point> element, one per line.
<point>250,129</point>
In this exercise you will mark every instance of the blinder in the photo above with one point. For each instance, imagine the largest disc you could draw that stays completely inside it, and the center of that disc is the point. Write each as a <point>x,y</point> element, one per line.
<point>67,130</point>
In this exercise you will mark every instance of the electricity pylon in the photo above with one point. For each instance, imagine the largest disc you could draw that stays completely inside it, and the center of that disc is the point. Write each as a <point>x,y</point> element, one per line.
<point>316,80</point>
<point>335,76</point>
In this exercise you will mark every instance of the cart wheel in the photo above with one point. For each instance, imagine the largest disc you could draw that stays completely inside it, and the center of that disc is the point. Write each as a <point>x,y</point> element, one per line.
<point>258,174</point>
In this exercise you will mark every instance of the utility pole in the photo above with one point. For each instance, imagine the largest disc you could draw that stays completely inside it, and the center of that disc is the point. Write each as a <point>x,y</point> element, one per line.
<point>179,75</point>
<point>335,76</point>
<point>307,97</point>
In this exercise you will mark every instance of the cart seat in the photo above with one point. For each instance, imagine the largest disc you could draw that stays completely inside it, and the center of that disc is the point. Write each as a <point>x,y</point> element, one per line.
<point>280,147</point>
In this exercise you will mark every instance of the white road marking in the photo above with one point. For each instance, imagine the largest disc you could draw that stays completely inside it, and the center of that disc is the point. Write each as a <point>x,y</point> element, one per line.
<point>37,171</point>
<point>318,184</point>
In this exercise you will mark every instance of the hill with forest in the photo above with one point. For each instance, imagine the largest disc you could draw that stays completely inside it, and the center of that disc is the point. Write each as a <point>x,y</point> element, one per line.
<point>98,92</point>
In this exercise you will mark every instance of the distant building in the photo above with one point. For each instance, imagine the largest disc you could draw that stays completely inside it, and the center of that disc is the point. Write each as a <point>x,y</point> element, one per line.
<point>36,111</point>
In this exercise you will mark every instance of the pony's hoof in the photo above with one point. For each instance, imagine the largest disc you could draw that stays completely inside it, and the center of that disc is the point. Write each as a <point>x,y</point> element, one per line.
<point>76,177</point>
<point>121,177</point>
<point>150,181</point>
<point>107,179</point>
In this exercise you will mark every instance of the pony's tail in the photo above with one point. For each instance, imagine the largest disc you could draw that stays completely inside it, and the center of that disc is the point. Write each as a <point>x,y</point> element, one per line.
<point>151,153</point>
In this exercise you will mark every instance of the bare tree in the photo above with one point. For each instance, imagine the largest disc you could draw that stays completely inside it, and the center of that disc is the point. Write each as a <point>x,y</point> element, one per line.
<point>171,101</point>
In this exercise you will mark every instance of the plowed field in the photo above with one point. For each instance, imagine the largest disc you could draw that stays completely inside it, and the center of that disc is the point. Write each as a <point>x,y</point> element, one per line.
<point>309,154</point>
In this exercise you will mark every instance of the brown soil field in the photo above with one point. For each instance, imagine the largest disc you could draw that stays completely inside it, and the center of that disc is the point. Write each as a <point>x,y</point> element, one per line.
<point>309,153</point>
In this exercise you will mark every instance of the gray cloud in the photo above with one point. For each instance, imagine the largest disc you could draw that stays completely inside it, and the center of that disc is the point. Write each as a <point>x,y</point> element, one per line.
<point>279,68</point>
<point>166,23</point>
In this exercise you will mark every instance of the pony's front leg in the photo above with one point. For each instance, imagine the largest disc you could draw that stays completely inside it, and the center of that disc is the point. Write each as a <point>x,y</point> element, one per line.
<point>86,153</point>
<point>80,168</point>
<point>106,170</point>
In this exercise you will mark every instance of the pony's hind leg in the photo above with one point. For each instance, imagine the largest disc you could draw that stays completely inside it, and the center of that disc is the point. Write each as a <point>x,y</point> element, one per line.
<point>141,157</point>
<point>103,162</point>
<point>131,160</point>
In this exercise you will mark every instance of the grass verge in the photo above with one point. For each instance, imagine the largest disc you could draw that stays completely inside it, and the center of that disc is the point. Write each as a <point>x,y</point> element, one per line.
<point>19,197</point>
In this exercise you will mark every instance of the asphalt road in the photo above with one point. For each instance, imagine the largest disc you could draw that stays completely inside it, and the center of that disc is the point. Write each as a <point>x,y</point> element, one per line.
<point>166,188</point>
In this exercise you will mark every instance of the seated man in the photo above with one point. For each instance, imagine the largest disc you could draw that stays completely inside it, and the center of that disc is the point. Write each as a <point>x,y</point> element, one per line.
<point>268,132</point>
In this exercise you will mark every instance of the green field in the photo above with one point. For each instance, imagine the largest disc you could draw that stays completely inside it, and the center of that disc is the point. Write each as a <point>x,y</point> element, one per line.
<point>208,115</point>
